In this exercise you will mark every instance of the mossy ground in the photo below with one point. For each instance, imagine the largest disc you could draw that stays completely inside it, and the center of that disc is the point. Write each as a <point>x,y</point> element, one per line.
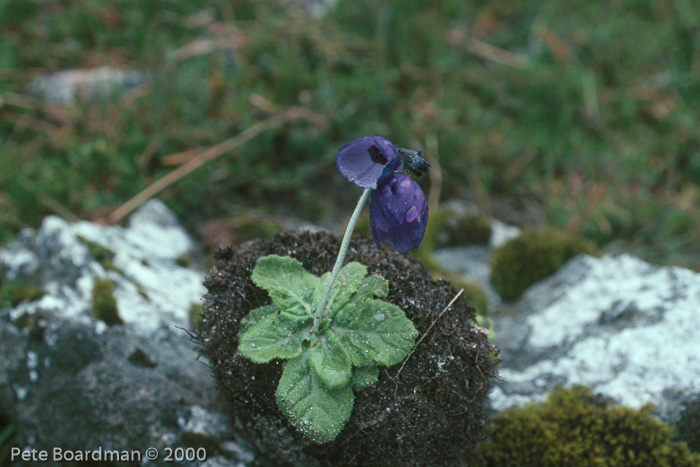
<point>430,414</point>
<point>575,427</point>
<point>532,256</point>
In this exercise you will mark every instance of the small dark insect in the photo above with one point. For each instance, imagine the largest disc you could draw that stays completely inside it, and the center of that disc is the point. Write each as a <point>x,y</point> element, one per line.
<point>413,162</point>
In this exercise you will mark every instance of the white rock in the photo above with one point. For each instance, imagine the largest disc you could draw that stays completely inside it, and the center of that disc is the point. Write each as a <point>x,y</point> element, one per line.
<point>68,86</point>
<point>501,233</point>
<point>151,291</point>
<point>628,329</point>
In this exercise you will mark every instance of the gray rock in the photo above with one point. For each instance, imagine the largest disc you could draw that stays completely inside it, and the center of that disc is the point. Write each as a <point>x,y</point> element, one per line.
<point>501,233</point>
<point>68,86</point>
<point>69,380</point>
<point>153,293</point>
<point>314,8</point>
<point>627,329</point>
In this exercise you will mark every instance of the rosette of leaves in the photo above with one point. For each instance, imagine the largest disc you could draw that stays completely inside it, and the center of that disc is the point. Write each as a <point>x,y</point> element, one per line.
<point>330,353</point>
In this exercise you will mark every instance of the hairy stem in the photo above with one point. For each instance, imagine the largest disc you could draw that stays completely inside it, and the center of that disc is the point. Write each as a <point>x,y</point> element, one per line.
<point>320,311</point>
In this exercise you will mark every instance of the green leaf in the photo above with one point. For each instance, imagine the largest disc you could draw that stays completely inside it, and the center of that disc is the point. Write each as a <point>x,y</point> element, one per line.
<point>330,360</point>
<point>350,277</point>
<point>364,377</point>
<point>318,412</point>
<point>274,336</point>
<point>369,288</point>
<point>373,286</point>
<point>374,331</point>
<point>254,317</point>
<point>291,287</point>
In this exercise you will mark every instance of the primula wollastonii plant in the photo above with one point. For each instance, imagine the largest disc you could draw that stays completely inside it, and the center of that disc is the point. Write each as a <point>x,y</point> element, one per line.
<point>334,331</point>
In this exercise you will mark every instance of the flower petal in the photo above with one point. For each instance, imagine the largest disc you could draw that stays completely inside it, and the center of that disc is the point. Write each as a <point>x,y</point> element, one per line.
<point>368,161</point>
<point>398,213</point>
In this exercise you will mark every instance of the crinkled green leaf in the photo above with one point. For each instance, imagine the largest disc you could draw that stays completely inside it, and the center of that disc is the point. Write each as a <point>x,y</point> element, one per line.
<point>373,286</point>
<point>274,336</point>
<point>350,277</point>
<point>374,332</point>
<point>254,317</point>
<point>330,360</point>
<point>318,412</point>
<point>364,377</point>
<point>368,289</point>
<point>291,287</point>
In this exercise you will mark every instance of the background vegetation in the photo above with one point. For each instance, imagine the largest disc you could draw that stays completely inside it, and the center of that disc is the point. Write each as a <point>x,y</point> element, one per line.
<point>582,115</point>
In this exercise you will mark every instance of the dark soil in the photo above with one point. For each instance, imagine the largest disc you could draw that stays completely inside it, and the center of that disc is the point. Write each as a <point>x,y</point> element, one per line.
<point>432,413</point>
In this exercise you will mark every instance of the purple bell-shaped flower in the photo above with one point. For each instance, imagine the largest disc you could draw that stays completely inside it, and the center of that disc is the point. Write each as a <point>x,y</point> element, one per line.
<point>368,161</point>
<point>398,213</point>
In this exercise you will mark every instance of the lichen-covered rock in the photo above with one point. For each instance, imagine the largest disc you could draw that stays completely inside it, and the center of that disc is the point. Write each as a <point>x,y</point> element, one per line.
<point>432,413</point>
<point>98,359</point>
<point>65,259</point>
<point>626,328</point>
<point>95,84</point>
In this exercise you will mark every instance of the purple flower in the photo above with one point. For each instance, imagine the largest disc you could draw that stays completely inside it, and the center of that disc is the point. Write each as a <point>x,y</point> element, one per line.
<point>368,161</point>
<point>398,213</point>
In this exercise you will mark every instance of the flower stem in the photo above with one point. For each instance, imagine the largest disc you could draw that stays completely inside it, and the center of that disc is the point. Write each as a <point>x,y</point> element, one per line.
<point>320,312</point>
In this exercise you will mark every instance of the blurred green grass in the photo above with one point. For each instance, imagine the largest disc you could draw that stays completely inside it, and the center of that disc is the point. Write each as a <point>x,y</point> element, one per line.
<point>587,111</point>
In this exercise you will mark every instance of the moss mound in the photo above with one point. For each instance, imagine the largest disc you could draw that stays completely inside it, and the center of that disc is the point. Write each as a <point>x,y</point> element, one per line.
<point>432,413</point>
<point>532,256</point>
<point>577,428</point>
<point>467,230</point>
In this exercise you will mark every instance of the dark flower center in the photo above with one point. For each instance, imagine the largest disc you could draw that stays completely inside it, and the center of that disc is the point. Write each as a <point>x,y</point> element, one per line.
<point>376,155</point>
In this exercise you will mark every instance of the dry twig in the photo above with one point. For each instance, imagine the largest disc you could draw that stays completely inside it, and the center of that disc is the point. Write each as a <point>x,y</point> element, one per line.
<point>202,158</point>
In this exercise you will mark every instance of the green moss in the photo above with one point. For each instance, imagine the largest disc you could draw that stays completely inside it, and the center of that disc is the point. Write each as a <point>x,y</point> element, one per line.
<point>689,424</point>
<point>200,440</point>
<point>102,255</point>
<point>96,250</point>
<point>7,435</point>
<point>474,295</point>
<point>27,293</point>
<point>195,314</point>
<point>104,305</point>
<point>184,261</point>
<point>471,229</point>
<point>573,427</point>
<point>487,323</point>
<point>532,256</point>
<point>7,292</point>
<point>142,292</point>
<point>14,292</point>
